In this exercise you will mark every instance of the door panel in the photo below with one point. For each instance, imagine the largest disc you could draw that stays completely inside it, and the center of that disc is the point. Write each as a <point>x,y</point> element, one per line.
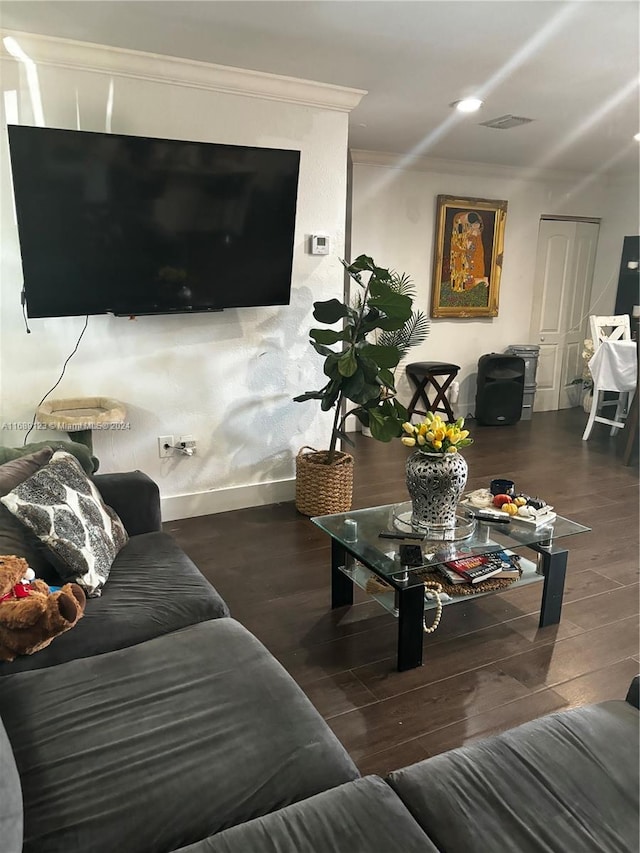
<point>556,267</point>
<point>584,255</point>
<point>546,369</point>
<point>562,288</point>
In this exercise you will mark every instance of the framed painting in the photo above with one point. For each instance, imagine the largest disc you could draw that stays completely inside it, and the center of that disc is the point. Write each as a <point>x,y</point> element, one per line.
<point>467,260</point>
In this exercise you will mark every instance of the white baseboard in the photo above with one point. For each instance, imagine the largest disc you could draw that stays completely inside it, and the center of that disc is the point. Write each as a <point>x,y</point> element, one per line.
<point>223,500</point>
<point>210,502</point>
<point>464,407</point>
<point>461,409</point>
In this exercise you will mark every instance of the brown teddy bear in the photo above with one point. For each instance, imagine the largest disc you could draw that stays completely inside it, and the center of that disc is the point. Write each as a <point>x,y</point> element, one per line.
<point>30,615</point>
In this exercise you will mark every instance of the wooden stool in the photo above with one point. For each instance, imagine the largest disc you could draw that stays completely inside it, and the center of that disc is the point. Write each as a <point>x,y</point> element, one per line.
<point>425,375</point>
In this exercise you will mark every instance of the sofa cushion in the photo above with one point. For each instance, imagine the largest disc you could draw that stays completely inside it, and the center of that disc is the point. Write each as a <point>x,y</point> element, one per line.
<point>568,781</point>
<point>10,798</point>
<point>151,748</point>
<point>61,505</point>
<point>153,588</point>
<point>364,816</point>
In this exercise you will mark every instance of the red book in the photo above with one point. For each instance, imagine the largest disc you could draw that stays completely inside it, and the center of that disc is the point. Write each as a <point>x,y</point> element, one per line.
<point>474,569</point>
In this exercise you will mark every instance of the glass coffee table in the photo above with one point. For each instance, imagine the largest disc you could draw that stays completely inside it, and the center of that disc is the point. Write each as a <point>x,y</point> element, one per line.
<point>358,553</point>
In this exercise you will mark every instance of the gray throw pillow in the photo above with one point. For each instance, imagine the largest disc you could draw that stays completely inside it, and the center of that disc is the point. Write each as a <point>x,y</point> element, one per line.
<point>15,538</point>
<point>61,505</point>
<point>21,468</point>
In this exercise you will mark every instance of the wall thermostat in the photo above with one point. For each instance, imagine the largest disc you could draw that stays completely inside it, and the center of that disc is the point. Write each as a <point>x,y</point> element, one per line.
<point>319,244</point>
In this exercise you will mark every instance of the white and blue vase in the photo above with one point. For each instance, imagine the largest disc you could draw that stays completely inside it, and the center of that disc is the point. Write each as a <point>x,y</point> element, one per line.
<point>435,482</point>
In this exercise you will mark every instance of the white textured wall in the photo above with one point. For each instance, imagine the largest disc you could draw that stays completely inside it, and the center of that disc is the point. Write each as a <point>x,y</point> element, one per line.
<point>228,379</point>
<point>394,221</point>
<point>621,219</point>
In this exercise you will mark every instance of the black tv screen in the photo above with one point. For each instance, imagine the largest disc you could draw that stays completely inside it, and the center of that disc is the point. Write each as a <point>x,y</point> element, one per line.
<point>132,225</point>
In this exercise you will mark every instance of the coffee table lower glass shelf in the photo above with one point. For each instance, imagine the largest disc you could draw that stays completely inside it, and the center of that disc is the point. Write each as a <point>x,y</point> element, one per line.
<point>359,554</point>
<point>360,575</point>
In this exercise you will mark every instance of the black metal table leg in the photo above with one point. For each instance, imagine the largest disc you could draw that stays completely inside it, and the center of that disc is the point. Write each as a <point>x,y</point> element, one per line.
<point>410,627</point>
<point>554,568</point>
<point>341,585</point>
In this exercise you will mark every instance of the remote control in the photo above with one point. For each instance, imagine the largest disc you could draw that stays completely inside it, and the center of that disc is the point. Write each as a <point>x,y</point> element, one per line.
<point>411,556</point>
<point>388,535</point>
<point>487,515</point>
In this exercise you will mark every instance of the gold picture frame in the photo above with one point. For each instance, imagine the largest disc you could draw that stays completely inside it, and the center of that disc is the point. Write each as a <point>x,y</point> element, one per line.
<point>467,263</point>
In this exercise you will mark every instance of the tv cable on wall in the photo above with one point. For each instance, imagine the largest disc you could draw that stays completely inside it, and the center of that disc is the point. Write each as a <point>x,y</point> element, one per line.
<point>23,300</point>
<point>53,388</point>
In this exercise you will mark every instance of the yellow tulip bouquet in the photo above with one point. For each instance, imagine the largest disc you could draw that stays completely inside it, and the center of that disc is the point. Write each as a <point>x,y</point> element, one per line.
<point>434,435</point>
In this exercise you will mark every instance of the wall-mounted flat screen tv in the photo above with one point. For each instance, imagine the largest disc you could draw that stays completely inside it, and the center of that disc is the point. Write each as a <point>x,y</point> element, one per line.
<point>132,225</point>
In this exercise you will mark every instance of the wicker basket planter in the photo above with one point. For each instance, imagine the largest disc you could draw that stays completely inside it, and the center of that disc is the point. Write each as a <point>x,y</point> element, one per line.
<point>323,489</point>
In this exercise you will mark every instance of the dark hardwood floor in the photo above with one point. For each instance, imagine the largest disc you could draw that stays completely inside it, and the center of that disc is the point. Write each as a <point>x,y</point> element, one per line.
<point>488,667</point>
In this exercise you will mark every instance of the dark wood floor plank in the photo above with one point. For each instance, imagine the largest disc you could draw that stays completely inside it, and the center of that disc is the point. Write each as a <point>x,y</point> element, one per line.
<point>608,550</point>
<point>338,694</point>
<point>378,641</point>
<point>603,609</point>
<point>381,644</point>
<point>490,644</point>
<point>612,682</point>
<point>579,584</point>
<point>624,572</point>
<point>491,722</point>
<point>309,664</point>
<point>392,721</point>
<point>387,760</point>
<point>304,621</point>
<point>552,664</point>
<point>488,666</point>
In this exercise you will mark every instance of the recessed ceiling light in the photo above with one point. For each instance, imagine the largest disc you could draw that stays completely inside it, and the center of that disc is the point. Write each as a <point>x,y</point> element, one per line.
<point>637,137</point>
<point>467,105</point>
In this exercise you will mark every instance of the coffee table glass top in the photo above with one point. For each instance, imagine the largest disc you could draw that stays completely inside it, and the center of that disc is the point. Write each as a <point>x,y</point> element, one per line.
<point>362,539</point>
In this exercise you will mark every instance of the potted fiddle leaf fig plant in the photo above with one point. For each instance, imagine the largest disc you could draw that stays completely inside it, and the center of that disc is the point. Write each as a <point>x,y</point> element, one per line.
<point>413,332</point>
<point>373,334</point>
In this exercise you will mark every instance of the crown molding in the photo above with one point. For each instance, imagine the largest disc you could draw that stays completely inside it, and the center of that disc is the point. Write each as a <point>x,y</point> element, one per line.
<point>406,162</point>
<point>120,62</point>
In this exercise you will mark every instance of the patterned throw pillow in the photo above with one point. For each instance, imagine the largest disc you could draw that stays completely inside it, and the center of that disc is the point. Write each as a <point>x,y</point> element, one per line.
<point>65,511</point>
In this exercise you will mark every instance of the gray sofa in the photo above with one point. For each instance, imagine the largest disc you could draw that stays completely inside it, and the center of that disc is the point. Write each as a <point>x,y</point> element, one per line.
<point>153,587</point>
<point>567,783</point>
<point>162,725</point>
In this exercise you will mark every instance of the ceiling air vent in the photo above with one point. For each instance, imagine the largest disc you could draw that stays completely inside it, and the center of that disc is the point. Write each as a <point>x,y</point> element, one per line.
<point>506,122</point>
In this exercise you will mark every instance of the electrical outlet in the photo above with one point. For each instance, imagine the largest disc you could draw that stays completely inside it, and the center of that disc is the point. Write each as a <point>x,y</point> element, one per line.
<point>165,446</point>
<point>188,442</point>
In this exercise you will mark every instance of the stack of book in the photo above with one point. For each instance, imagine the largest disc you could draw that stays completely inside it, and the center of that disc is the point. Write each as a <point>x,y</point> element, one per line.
<point>500,564</point>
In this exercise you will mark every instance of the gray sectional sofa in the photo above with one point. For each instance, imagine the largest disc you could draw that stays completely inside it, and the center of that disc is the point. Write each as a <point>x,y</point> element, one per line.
<point>160,724</point>
<point>153,587</point>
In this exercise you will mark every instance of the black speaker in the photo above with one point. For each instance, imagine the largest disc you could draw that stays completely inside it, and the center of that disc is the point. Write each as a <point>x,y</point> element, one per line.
<point>500,389</point>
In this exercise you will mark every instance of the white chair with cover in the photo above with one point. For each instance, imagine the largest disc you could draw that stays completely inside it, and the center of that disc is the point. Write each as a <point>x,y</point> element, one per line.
<point>613,367</point>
